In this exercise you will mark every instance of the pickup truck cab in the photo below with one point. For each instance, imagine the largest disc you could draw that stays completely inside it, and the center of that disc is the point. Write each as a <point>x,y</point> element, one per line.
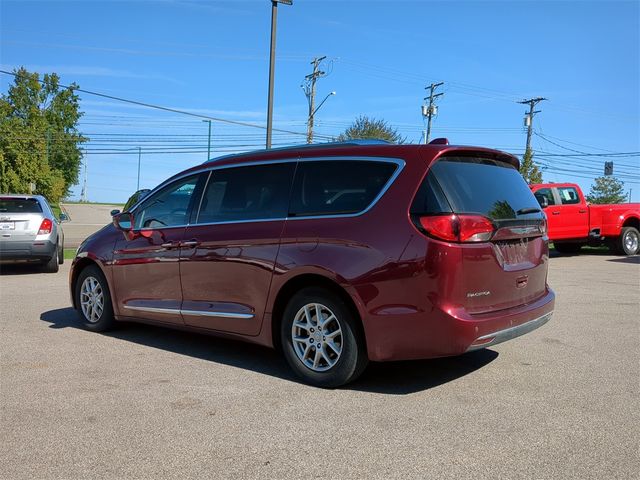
<point>572,222</point>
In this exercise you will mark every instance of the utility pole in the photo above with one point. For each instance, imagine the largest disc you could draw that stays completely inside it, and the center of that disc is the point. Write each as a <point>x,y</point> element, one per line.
<point>431,109</point>
<point>309,88</point>
<point>83,193</point>
<point>209,141</point>
<point>139,159</point>
<point>528,118</point>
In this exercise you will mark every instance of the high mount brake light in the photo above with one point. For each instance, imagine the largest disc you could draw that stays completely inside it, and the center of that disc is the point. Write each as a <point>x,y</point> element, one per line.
<point>45,227</point>
<point>458,228</point>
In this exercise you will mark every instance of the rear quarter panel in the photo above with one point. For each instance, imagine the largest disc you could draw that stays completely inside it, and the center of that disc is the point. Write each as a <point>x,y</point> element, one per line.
<point>612,217</point>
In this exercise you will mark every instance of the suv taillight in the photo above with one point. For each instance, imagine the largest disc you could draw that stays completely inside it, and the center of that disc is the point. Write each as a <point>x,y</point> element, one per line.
<point>45,227</point>
<point>458,228</point>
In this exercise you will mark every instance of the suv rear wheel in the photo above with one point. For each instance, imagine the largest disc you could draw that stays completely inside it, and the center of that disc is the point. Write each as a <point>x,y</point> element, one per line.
<point>320,339</point>
<point>93,300</point>
<point>53,265</point>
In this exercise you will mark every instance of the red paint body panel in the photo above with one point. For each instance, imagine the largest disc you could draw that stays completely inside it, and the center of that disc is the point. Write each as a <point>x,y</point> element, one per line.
<point>575,222</point>
<point>229,271</point>
<point>411,291</point>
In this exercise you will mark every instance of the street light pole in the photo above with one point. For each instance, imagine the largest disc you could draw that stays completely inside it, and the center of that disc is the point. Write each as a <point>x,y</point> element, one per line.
<point>209,141</point>
<point>312,115</point>
<point>139,158</point>
<point>272,65</point>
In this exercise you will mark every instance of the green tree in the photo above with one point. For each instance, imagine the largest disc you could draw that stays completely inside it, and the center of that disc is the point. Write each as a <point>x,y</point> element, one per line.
<point>39,139</point>
<point>529,169</point>
<point>607,190</point>
<point>365,127</point>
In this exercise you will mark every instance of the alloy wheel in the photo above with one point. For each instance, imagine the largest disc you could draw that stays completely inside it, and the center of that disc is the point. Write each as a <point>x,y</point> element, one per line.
<point>91,299</point>
<point>316,335</point>
<point>631,241</point>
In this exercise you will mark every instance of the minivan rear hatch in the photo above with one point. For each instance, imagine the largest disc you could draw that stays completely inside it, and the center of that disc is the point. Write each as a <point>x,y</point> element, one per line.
<point>481,205</point>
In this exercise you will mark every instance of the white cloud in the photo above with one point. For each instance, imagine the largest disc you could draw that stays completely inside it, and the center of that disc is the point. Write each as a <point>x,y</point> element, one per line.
<point>92,71</point>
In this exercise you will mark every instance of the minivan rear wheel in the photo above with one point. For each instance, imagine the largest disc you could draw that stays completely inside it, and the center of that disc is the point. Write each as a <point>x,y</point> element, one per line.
<point>93,300</point>
<point>320,339</point>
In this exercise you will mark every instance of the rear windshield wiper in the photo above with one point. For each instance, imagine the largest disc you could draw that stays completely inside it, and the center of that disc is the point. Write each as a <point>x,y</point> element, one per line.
<point>524,211</point>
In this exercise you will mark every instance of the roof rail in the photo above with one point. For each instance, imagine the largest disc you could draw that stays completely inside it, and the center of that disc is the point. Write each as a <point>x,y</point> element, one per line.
<point>355,141</point>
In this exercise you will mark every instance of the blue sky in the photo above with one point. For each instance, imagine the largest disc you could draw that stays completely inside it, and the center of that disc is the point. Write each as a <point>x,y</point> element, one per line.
<point>212,58</point>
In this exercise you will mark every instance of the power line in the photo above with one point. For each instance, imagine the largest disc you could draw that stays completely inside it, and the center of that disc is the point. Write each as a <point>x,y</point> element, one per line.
<point>166,109</point>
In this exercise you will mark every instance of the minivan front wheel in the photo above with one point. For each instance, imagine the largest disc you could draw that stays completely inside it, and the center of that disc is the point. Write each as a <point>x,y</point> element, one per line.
<point>320,339</point>
<point>93,300</point>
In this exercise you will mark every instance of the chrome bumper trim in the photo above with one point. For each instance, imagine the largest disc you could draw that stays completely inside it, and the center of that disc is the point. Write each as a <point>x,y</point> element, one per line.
<point>510,333</point>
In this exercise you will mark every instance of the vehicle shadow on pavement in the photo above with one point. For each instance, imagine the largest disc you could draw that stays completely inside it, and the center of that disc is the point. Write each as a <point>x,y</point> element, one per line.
<point>20,269</point>
<point>635,259</point>
<point>395,378</point>
<point>402,378</point>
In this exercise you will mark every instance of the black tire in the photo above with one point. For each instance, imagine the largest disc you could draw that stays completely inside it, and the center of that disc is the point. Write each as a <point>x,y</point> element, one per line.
<point>567,247</point>
<point>61,254</point>
<point>352,359</point>
<point>628,243</point>
<point>104,320</point>
<point>53,265</point>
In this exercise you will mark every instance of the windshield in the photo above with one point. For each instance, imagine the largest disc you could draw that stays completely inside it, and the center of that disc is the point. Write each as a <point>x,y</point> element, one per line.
<point>485,186</point>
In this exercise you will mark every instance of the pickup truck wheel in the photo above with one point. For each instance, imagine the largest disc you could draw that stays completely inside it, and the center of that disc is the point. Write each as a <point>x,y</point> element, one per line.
<point>567,247</point>
<point>629,241</point>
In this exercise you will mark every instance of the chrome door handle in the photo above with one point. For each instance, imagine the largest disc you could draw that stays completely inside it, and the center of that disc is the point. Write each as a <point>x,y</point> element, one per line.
<point>555,213</point>
<point>190,244</point>
<point>582,211</point>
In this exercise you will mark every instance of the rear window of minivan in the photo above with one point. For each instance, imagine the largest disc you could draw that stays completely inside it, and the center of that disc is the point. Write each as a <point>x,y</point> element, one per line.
<point>337,187</point>
<point>475,185</point>
<point>20,205</point>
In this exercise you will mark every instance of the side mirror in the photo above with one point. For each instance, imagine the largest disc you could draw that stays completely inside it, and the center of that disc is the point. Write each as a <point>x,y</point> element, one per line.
<point>123,221</point>
<point>63,217</point>
<point>114,212</point>
<point>543,201</point>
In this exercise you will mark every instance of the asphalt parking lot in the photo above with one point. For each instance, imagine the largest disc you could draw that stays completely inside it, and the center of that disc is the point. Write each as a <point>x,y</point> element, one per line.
<point>561,402</point>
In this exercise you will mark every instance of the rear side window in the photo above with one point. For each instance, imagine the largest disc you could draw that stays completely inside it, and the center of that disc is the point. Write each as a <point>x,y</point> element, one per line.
<point>484,186</point>
<point>568,195</point>
<point>20,205</point>
<point>337,187</point>
<point>258,192</point>
<point>546,193</point>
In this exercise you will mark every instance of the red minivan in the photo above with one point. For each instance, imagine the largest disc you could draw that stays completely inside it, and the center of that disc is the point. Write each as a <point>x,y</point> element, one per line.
<point>335,254</point>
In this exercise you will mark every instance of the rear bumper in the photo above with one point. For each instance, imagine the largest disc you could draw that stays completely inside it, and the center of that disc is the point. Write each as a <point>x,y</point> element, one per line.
<point>508,333</point>
<point>450,332</point>
<point>34,251</point>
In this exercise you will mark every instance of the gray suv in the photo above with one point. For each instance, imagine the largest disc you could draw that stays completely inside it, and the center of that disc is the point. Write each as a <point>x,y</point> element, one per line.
<point>30,232</point>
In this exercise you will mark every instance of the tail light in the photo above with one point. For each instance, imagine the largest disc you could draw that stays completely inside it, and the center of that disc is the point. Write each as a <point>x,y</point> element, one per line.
<point>458,228</point>
<point>543,226</point>
<point>45,227</point>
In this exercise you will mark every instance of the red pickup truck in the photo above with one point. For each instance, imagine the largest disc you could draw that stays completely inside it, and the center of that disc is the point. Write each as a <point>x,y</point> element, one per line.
<point>573,223</point>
